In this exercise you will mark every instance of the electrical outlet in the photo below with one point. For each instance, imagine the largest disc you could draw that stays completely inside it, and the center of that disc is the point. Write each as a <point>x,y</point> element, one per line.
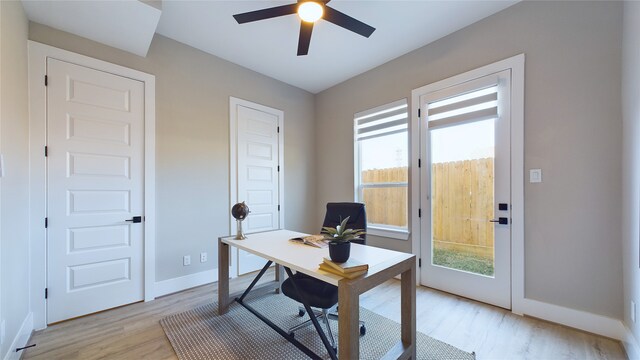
<point>203,257</point>
<point>535,176</point>
<point>186,260</point>
<point>633,311</point>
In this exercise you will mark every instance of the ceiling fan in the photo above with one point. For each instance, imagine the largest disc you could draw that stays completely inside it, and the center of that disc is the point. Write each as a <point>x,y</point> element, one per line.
<point>309,11</point>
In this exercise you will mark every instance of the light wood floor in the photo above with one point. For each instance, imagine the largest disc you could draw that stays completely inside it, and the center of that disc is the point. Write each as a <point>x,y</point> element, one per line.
<point>134,332</point>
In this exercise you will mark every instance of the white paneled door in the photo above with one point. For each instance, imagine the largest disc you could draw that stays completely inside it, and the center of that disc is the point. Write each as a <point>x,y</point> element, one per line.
<point>258,172</point>
<point>95,190</point>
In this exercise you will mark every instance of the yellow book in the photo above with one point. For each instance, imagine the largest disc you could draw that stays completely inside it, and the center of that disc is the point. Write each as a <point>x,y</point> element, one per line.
<point>349,266</point>
<point>351,275</point>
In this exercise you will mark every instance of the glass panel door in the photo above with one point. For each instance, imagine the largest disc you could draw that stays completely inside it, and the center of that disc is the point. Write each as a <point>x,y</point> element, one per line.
<point>462,201</point>
<point>465,189</point>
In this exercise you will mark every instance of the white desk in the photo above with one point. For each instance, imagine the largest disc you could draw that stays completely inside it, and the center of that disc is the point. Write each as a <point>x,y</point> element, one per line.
<point>383,265</point>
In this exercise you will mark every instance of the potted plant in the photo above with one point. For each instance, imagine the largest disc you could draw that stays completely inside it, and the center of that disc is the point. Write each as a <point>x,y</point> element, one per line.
<point>339,239</point>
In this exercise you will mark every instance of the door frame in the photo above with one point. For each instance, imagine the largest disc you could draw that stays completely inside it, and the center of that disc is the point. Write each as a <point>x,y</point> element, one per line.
<point>233,165</point>
<point>516,65</point>
<point>38,55</point>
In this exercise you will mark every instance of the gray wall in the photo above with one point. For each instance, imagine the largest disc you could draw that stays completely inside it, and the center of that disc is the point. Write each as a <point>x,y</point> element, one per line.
<point>573,131</point>
<point>14,127</point>
<point>631,160</point>
<point>192,142</point>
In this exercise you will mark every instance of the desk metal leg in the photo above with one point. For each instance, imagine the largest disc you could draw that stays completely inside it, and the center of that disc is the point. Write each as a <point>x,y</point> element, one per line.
<point>284,334</point>
<point>253,283</point>
<point>313,318</point>
<point>275,327</point>
<point>223,278</point>
<point>279,277</point>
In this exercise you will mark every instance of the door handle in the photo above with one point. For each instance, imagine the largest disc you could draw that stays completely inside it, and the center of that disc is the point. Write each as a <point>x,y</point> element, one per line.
<point>500,220</point>
<point>135,219</point>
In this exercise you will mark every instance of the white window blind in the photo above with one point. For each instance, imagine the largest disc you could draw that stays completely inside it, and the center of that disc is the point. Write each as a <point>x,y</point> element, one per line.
<point>476,105</point>
<point>384,120</point>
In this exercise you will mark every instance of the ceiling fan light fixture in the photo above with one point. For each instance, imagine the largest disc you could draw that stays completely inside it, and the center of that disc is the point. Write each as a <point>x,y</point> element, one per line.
<point>310,11</point>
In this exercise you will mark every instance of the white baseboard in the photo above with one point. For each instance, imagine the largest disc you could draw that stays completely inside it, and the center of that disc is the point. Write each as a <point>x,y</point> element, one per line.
<point>21,338</point>
<point>630,344</point>
<point>171,286</point>
<point>597,324</point>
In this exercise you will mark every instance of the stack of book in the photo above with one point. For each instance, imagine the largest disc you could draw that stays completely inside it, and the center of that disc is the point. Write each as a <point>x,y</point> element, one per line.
<point>350,269</point>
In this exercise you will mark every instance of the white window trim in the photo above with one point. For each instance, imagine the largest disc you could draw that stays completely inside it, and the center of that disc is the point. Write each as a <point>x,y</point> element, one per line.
<point>38,54</point>
<point>377,229</point>
<point>234,102</point>
<point>233,145</point>
<point>387,232</point>
<point>516,64</point>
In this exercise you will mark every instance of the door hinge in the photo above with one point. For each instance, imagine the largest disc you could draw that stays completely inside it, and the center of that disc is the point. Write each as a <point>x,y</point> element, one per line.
<point>278,129</point>
<point>46,151</point>
<point>419,262</point>
<point>46,222</point>
<point>46,80</point>
<point>278,207</point>
<point>419,162</point>
<point>419,112</point>
<point>46,293</point>
<point>419,213</point>
<point>278,168</point>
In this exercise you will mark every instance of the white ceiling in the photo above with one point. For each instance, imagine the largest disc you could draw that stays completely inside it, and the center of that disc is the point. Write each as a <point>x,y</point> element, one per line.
<point>126,25</point>
<point>269,46</point>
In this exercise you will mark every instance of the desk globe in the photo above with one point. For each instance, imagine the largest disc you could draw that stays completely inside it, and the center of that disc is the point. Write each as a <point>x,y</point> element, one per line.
<point>240,211</point>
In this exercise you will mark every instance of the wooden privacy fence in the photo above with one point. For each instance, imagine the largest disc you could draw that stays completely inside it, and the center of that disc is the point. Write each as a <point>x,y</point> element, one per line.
<point>386,205</point>
<point>462,203</point>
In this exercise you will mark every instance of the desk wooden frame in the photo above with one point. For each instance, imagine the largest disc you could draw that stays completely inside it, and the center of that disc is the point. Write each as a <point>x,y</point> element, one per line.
<point>348,293</point>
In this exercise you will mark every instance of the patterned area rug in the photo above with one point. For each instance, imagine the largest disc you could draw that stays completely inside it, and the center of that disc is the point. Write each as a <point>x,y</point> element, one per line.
<point>201,333</point>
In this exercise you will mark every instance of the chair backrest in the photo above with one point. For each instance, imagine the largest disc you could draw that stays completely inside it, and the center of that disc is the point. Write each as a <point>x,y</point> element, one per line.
<point>336,212</point>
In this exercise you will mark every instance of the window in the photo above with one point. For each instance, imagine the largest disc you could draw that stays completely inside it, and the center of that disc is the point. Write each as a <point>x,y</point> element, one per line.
<point>382,168</point>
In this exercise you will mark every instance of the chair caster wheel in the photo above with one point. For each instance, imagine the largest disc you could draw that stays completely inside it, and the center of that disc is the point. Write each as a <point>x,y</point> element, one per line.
<point>301,312</point>
<point>363,330</point>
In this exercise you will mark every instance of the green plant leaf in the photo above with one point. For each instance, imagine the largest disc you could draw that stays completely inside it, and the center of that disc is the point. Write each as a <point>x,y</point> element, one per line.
<point>343,224</point>
<point>340,233</point>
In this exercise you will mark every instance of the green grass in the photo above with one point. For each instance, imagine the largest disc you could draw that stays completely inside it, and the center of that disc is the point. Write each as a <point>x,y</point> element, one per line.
<point>463,261</point>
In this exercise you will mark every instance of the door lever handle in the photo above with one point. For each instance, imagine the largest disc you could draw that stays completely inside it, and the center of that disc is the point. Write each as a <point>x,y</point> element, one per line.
<point>135,219</point>
<point>500,220</point>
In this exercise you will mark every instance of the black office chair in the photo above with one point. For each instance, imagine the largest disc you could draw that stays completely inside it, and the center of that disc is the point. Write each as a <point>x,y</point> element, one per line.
<point>336,212</point>
<point>318,293</point>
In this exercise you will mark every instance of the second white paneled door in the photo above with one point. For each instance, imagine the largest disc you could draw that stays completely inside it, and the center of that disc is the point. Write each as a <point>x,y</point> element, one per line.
<point>256,167</point>
<point>95,190</point>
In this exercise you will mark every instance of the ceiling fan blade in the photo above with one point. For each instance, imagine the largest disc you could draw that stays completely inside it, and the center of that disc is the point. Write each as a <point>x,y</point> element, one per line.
<point>305,37</point>
<point>266,13</point>
<point>347,22</point>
